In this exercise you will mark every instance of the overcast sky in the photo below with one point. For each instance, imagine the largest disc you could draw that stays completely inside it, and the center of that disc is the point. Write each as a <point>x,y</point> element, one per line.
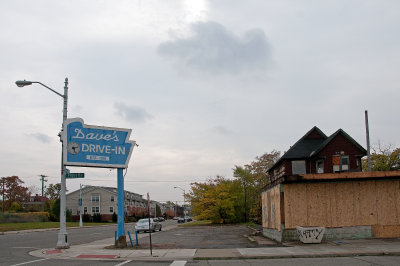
<point>204,85</point>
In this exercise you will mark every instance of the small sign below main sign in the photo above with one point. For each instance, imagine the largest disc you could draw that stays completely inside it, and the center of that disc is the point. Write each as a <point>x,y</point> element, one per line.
<point>75,175</point>
<point>88,145</point>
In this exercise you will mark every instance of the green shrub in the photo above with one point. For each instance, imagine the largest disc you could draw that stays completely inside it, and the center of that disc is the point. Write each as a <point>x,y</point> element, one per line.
<point>15,207</point>
<point>86,218</point>
<point>132,219</point>
<point>24,217</point>
<point>97,218</point>
<point>114,217</point>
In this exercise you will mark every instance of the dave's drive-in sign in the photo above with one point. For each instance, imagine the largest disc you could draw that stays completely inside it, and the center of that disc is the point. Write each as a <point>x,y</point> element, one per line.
<point>96,146</point>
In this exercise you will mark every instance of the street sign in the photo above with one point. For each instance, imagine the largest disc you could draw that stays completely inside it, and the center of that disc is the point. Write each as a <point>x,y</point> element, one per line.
<point>75,175</point>
<point>96,146</point>
<point>80,201</point>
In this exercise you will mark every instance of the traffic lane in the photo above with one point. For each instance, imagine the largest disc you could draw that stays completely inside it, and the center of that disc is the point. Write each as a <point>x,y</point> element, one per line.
<point>15,248</point>
<point>74,262</point>
<point>201,237</point>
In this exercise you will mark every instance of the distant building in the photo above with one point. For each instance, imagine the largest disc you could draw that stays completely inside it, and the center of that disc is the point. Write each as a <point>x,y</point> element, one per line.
<point>36,203</point>
<point>103,200</point>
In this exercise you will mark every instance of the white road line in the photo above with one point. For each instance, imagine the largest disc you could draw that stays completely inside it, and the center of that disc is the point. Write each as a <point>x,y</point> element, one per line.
<point>32,261</point>
<point>25,247</point>
<point>122,263</point>
<point>178,263</point>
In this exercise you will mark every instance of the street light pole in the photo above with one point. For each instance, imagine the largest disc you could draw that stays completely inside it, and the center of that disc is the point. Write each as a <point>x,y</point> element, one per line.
<point>184,214</point>
<point>62,242</point>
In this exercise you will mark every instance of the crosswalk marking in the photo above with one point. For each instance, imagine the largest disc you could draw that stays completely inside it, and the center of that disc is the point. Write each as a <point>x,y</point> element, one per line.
<point>178,263</point>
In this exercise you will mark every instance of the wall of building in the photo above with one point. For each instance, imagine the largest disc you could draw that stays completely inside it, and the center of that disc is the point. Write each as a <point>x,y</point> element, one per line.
<point>104,203</point>
<point>271,204</point>
<point>338,144</point>
<point>339,204</point>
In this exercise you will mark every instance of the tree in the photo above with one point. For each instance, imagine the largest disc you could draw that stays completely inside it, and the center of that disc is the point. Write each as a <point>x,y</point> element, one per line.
<point>253,178</point>
<point>53,192</point>
<point>215,200</point>
<point>14,191</point>
<point>383,158</point>
<point>158,211</point>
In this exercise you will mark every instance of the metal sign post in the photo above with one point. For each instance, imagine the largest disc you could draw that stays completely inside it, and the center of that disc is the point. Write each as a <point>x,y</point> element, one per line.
<point>148,207</point>
<point>121,196</point>
<point>96,146</point>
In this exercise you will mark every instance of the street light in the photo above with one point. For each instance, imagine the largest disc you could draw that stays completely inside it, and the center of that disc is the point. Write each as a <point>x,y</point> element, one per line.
<point>184,214</point>
<point>62,235</point>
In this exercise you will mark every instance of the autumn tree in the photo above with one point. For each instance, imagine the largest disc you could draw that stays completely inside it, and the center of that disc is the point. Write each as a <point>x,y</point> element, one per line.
<point>14,191</point>
<point>216,200</point>
<point>383,158</point>
<point>253,178</point>
<point>230,201</point>
<point>53,191</point>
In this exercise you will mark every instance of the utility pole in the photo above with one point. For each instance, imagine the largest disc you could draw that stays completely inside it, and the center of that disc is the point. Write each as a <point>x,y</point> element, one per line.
<point>368,145</point>
<point>3,181</point>
<point>43,180</point>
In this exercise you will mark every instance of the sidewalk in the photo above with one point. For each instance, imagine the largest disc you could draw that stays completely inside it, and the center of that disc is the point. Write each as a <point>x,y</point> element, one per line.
<point>97,250</point>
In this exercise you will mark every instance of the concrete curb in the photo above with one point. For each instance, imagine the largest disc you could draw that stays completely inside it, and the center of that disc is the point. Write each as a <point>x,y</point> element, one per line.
<point>49,229</point>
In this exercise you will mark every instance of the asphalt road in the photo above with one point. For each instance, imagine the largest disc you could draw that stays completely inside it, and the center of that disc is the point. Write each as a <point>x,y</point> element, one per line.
<point>14,248</point>
<point>202,237</point>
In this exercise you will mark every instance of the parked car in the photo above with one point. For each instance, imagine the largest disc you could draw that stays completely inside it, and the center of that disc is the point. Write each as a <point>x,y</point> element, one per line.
<point>188,218</point>
<point>143,225</point>
<point>160,219</point>
<point>181,220</point>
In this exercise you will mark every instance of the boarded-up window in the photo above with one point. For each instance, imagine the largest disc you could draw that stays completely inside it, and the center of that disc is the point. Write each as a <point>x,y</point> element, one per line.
<point>298,167</point>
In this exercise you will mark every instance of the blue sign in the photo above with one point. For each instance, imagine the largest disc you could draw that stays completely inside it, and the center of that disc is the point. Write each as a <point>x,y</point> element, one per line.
<point>86,145</point>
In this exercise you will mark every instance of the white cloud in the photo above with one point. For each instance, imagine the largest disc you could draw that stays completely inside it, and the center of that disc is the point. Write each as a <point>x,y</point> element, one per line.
<point>41,137</point>
<point>132,113</point>
<point>214,49</point>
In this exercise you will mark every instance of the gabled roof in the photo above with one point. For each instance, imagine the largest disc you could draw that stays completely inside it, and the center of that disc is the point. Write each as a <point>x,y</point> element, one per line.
<point>347,136</point>
<point>306,145</point>
<point>312,143</point>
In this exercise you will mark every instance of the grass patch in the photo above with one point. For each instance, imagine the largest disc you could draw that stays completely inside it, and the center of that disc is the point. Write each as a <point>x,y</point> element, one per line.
<point>41,225</point>
<point>197,223</point>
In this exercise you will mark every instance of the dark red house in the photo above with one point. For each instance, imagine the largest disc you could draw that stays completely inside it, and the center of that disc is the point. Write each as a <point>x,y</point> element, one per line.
<point>316,153</point>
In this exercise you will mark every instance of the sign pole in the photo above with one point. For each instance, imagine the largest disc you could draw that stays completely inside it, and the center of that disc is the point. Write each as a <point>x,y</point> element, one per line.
<point>80,206</point>
<point>63,235</point>
<point>121,241</point>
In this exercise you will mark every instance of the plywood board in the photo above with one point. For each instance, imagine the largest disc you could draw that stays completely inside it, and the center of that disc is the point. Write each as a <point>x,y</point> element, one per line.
<point>271,208</point>
<point>317,206</point>
<point>367,203</point>
<point>386,201</point>
<point>345,204</point>
<point>295,205</point>
<point>385,231</point>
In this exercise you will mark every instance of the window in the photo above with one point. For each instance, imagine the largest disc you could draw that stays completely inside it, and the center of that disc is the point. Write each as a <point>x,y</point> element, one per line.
<point>95,198</point>
<point>112,198</point>
<point>84,209</point>
<point>340,163</point>
<point>111,209</point>
<point>95,209</point>
<point>344,163</point>
<point>298,167</point>
<point>320,166</point>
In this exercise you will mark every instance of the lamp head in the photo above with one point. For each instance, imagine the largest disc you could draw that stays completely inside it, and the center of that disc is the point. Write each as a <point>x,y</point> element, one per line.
<point>22,83</point>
